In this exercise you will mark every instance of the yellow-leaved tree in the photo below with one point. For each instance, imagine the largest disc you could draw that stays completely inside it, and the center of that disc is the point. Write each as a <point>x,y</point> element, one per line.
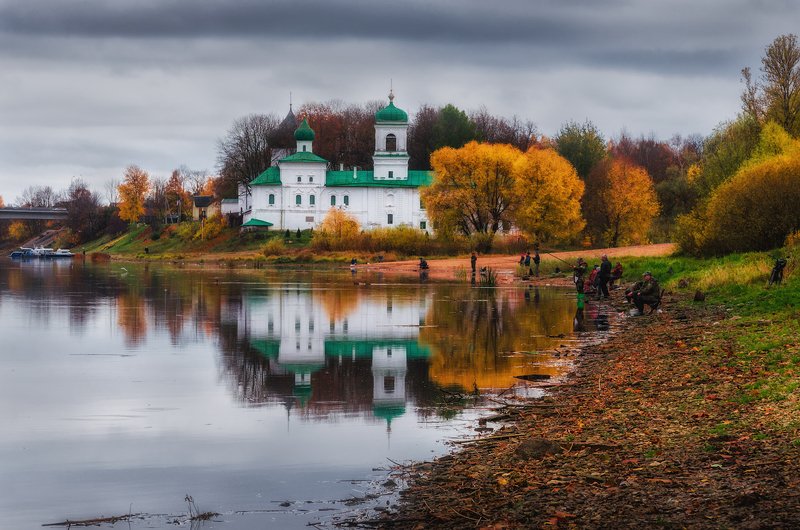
<point>338,231</point>
<point>482,188</point>
<point>548,195</point>
<point>473,190</point>
<point>132,193</point>
<point>620,202</point>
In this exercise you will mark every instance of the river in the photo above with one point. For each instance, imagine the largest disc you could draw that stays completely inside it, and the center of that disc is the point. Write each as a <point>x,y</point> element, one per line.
<point>276,398</point>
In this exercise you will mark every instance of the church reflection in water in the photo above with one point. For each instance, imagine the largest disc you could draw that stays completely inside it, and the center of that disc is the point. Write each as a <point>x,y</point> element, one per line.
<point>329,352</point>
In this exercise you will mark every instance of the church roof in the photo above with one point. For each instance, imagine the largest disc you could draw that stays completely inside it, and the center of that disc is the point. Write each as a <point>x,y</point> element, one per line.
<point>303,156</point>
<point>270,177</point>
<point>304,133</point>
<point>391,113</point>
<point>367,178</point>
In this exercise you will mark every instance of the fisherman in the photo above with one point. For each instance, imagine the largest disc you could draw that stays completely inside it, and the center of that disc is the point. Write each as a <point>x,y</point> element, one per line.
<point>649,293</point>
<point>423,265</point>
<point>472,261</point>
<point>578,272</point>
<point>353,263</point>
<point>616,274</point>
<point>536,260</point>
<point>776,276</point>
<point>603,277</point>
<point>527,262</point>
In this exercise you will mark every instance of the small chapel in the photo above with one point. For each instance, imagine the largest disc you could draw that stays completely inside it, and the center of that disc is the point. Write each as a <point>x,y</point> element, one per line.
<point>300,188</point>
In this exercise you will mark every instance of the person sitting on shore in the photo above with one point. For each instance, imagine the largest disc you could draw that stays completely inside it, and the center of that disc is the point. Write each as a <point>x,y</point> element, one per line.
<point>591,282</point>
<point>648,293</point>
<point>616,275</point>
<point>423,265</point>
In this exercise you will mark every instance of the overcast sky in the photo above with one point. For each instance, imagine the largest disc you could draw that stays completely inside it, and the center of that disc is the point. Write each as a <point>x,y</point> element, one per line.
<point>90,86</point>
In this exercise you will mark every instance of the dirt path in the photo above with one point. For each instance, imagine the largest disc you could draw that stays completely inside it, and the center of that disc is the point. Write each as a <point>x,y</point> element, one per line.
<point>646,433</point>
<point>505,266</point>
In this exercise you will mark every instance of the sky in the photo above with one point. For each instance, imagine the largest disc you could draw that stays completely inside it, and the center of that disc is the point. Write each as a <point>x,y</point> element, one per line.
<point>88,87</point>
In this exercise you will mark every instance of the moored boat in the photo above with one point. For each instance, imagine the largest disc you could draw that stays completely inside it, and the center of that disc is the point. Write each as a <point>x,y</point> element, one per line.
<point>60,253</point>
<point>23,252</point>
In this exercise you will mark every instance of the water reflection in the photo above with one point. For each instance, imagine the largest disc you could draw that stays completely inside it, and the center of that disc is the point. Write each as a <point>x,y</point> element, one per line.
<point>140,379</point>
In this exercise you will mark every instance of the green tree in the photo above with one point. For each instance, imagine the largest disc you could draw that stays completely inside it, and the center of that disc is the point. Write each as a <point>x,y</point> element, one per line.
<point>453,128</point>
<point>730,145</point>
<point>582,145</point>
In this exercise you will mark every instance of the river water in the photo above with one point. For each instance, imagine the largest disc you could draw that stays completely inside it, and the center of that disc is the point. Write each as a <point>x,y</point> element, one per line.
<point>275,398</point>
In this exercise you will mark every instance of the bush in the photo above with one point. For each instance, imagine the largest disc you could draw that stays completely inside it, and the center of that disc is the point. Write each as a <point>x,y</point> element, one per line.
<point>211,228</point>
<point>187,230</point>
<point>273,247</point>
<point>755,210</point>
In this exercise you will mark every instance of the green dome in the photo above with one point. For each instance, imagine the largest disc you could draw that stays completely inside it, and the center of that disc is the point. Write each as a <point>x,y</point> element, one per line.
<point>391,113</point>
<point>304,133</point>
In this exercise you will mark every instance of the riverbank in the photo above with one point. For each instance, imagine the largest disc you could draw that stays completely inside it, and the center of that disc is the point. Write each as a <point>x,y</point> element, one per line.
<point>686,418</point>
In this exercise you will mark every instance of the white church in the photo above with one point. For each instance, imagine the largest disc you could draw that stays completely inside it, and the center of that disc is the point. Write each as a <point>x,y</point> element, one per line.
<point>300,190</point>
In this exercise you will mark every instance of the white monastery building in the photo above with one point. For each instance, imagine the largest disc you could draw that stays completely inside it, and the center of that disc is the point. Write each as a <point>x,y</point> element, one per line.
<point>301,189</point>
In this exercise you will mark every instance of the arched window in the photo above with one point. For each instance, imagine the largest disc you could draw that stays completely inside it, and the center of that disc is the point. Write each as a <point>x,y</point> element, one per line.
<point>346,200</point>
<point>272,199</point>
<point>333,200</point>
<point>312,200</point>
<point>299,179</point>
<point>390,199</point>
<point>391,142</point>
<point>298,200</point>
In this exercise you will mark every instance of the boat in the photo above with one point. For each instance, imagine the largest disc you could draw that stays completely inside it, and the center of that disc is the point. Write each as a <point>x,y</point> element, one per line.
<point>41,252</point>
<point>23,252</point>
<point>60,253</point>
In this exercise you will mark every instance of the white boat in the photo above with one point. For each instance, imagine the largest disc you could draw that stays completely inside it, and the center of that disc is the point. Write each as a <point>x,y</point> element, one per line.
<point>41,252</point>
<point>61,253</point>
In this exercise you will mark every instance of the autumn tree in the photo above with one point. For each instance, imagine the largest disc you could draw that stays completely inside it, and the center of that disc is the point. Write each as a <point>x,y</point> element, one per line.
<point>498,130</point>
<point>472,190</point>
<point>337,231</point>
<point>582,145</point>
<point>724,151</point>
<point>547,194</point>
<point>2,203</point>
<point>345,133</point>
<point>754,210</point>
<point>776,95</point>
<point>38,197</point>
<point>245,151</point>
<point>620,202</point>
<point>177,196</point>
<point>132,193</point>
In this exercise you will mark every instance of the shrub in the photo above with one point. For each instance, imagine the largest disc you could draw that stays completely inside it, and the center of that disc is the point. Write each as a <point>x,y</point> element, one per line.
<point>211,228</point>
<point>273,247</point>
<point>755,210</point>
<point>187,229</point>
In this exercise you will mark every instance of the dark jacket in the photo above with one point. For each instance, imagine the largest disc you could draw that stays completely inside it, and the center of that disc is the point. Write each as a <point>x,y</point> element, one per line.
<point>605,269</point>
<point>650,289</point>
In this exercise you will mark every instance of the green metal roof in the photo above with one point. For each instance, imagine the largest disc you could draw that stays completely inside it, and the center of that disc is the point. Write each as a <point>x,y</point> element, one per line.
<point>304,133</point>
<point>391,113</point>
<point>364,348</point>
<point>270,177</point>
<point>256,223</point>
<point>266,347</point>
<point>304,156</point>
<point>367,178</point>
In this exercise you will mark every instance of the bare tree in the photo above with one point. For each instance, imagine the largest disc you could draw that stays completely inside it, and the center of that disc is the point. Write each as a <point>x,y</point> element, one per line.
<point>111,192</point>
<point>245,150</point>
<point>38,197</point>
<point>194,180</point>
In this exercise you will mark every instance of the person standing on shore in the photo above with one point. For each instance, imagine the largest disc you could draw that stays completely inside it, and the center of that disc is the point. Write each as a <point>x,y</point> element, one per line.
<point>528,262</point>
<point>603,277</point>
<point>472,261</point>
<point>536,260</point>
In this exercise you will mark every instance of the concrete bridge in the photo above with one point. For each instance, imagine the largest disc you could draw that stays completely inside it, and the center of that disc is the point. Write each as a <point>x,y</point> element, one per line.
<point>32,214</point>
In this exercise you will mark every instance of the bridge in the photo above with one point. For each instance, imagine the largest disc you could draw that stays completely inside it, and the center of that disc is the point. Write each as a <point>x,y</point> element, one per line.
<point>32,214</point>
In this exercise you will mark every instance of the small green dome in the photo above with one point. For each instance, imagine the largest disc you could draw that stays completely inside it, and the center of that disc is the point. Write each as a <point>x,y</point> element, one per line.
<point>391,113</point>
<point>304,133</point>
